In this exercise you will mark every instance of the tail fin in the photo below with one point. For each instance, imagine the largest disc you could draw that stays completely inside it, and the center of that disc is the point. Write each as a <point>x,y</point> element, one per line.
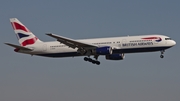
<point>24,35</point>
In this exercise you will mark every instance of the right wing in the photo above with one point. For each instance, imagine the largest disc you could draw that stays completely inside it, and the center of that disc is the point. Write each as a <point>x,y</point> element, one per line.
<point>18,47</point>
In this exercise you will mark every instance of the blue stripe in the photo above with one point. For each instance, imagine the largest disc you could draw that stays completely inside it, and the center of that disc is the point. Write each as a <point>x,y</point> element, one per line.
<point>22,35</point>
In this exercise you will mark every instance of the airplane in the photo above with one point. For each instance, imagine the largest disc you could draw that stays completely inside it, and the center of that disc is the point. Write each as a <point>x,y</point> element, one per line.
<point>113,48</point>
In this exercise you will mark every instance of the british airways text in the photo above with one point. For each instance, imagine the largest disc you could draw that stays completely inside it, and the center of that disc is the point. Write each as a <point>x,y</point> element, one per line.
<point>137,44</point>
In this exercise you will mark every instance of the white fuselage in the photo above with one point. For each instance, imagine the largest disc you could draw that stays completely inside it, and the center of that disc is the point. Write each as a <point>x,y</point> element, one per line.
<point>127,44</point>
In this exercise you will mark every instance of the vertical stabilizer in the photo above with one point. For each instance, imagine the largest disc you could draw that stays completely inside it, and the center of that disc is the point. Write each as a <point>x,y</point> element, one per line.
<point>24,35</point>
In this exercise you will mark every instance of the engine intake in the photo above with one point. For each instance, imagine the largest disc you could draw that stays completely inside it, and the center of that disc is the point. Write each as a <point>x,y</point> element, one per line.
<point>115,57</point>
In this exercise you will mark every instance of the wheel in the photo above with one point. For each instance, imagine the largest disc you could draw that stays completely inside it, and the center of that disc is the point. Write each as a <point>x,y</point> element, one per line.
<point>93,61</point>
<point>85,59</point>
<point>97,62</point>
<point>90,60</point>
<point>161,56</point>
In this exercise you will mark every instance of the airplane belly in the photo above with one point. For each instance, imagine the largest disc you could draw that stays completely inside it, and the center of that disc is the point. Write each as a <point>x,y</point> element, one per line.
<point>140,49</point>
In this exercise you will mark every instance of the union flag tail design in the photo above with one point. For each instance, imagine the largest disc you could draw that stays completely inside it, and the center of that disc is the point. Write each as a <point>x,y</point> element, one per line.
<point>24,35</point>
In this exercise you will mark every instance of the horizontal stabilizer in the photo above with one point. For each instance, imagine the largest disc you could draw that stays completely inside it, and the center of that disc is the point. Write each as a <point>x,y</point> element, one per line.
<point>18,47</point>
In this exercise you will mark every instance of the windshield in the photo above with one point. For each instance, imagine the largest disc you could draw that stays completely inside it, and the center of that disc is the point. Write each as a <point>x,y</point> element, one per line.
<point>167,38</point>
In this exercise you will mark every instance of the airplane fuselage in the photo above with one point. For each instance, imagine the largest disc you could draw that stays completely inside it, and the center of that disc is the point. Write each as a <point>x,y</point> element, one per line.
<point>127,44</point>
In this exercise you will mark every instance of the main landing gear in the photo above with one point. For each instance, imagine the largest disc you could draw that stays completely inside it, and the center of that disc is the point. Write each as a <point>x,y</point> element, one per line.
<point>162,52</point>
<point>91,60</point>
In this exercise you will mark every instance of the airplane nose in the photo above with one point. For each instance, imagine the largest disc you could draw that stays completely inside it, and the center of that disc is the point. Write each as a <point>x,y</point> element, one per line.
<point>173,42</point>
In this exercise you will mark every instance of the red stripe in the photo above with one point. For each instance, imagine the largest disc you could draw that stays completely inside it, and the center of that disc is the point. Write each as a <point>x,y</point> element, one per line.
<point>17,26</point>
<point>151,38</point>
<point>29,41</point>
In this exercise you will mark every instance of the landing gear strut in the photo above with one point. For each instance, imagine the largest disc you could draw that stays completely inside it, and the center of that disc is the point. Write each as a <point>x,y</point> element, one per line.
<point>162,52</point>
<point>91,60</point>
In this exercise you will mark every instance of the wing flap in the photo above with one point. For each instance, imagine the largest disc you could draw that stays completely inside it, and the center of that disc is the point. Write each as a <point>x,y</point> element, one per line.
<point>18,47</point>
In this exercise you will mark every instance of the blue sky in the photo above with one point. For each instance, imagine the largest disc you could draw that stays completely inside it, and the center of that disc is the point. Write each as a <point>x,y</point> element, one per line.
<point>142,76</point>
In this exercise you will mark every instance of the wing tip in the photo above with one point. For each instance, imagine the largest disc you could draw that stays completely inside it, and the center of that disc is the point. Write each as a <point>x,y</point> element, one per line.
<point>7,43</point>
<point>48,33</point>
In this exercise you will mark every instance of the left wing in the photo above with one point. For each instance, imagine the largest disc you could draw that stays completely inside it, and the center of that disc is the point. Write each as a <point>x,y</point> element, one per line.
<point>72,43</point>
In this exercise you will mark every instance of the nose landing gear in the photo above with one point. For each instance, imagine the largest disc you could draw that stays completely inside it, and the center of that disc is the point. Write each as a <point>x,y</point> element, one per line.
<point>161,56</point>
<point>162,52</point>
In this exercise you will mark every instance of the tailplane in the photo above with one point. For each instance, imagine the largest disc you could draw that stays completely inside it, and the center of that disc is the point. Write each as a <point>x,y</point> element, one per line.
<point>24,35</point>
<point>17,48</point>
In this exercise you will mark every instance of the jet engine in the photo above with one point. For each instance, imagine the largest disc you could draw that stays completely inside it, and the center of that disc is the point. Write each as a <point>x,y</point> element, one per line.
<point>115,57</point>
<point>106,50</point>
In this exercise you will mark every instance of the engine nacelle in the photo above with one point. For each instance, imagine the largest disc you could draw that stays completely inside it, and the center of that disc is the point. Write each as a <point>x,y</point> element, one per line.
<point>106,50</point>
<point>115,57</point>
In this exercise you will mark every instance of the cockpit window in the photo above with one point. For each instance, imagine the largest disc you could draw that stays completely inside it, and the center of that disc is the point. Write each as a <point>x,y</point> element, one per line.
<point>167,38</point>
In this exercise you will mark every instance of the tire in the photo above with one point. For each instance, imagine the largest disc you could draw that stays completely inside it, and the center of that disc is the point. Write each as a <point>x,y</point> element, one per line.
<point>97,62</point>
<point>85,59</point>
<point>161,56</point>
<point>93,61</point>
<point>90,60</point>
